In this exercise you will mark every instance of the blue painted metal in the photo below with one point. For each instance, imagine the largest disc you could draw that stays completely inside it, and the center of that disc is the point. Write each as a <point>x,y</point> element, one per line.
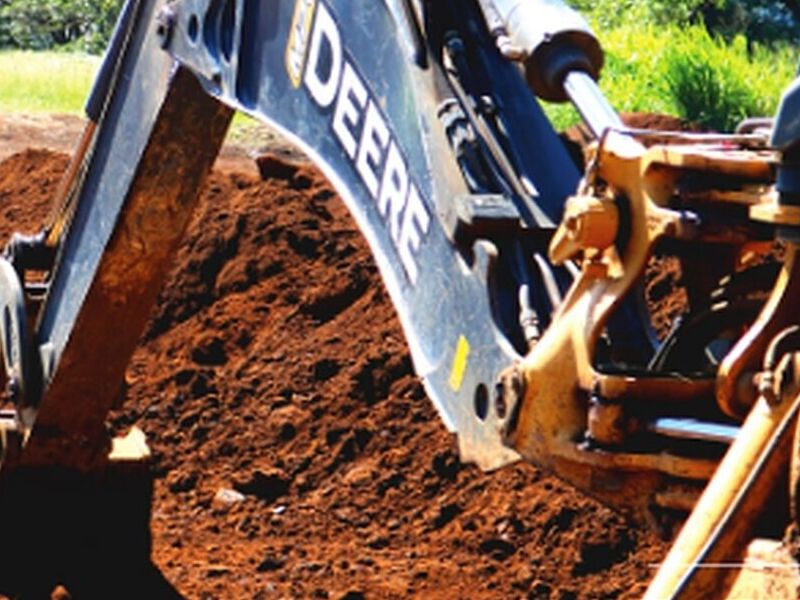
<point>157,137</point>
<point>444,295</point>
<point>358,87</point>
<point>137,96</point>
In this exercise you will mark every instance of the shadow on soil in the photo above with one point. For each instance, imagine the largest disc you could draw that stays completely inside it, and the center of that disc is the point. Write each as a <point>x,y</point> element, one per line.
<point>71,535</point>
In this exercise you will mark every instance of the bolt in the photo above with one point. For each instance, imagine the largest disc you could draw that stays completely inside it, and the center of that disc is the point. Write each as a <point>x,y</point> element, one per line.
<point>500,400</point>
<point>518,384</point>
<point>165,25</point>
<point>766,388</point>
<point>509,391</point>
<point>487,105</point>
<point>13,390</point>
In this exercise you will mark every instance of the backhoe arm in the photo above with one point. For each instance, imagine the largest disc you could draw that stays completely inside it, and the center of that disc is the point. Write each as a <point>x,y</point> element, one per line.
<point>449,167</point>
<point>155,139</point>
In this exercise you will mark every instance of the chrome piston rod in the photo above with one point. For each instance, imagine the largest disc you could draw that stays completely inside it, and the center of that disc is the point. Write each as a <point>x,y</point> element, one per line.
<point>590,102</point>
<point>560,53</point>
<point>692,429</point>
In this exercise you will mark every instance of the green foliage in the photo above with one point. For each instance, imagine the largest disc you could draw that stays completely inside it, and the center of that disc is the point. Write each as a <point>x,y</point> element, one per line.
<point>43,24</point>
<point>686,72</point>
<point>632,78</point>
<point>717,83</point>
<point>764,21</point>
<point>681,11</point>
<point>616,13</point>
<point>706,79</point>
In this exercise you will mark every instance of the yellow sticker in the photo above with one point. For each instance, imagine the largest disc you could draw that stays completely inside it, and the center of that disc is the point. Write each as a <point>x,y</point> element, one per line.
<point>459,364</point>
<point>297,47</point>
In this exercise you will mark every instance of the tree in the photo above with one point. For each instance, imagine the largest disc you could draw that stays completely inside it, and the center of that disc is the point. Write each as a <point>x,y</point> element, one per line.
<point>793,6</point>
<point>765,21</point>
<point>40,24</point>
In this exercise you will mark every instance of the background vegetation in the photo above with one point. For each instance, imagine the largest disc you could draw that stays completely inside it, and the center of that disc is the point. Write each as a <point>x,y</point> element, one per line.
<point>758,20</point>
<point>691,72</point>
<point>710,61</point>
<point>82,25</point>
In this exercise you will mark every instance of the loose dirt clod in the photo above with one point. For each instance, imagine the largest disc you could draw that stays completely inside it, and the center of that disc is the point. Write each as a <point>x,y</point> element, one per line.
<point>274,365</point>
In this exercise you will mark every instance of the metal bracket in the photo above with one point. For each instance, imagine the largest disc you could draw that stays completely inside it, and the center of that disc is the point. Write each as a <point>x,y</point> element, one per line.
<point>484,216</point>
<point>13,332</point>
<point>18,369</point>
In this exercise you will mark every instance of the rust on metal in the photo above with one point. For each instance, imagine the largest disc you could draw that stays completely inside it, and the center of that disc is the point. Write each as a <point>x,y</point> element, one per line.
<point>185,140</point>
<point>556,413</point>
<point>722,522</point>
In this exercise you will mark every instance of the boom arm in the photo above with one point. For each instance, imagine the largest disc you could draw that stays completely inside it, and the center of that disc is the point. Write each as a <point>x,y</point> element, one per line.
<point>361,101</point>
<point>357,88</point>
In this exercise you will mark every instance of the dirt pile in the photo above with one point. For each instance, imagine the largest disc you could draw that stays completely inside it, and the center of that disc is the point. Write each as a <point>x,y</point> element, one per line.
<point>296,453</point>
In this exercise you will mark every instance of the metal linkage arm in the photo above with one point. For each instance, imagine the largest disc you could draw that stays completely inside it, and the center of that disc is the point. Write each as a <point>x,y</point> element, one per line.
<point>156,140</point>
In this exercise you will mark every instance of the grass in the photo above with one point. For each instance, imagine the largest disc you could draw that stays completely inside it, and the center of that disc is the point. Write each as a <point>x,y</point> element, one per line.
<point>53,82</point>
<point>59,82</point>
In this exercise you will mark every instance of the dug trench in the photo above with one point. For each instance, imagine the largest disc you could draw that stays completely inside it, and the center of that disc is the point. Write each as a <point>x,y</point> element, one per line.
<point>295,452</point>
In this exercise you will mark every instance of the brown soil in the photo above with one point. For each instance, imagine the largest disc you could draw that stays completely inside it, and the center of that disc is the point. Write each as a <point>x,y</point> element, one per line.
<point>296,454</point>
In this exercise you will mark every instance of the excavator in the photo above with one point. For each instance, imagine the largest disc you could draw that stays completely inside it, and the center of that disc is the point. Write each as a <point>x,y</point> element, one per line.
<point>517,271</point>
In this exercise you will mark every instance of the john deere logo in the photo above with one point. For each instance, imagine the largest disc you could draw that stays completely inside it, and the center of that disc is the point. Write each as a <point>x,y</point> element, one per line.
<point>297,48</point>
<point>317,59</point>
